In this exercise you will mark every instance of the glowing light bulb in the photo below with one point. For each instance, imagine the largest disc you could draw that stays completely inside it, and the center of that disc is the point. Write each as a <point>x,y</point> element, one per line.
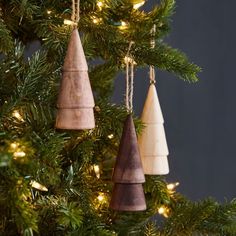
<point>110,136</point>
<point>17,115</point>
<point>38,186</point>
<point>19,154</point>
<point>100,4</point>
<point>97,170</point>
<point>138,5</point>
<point>123,25</point>
<point>49,12</point>
<point>172,186</point>
<point>100,197</point>
<point>163,211</point>
<point>96,20</point>
<point>14,145</point>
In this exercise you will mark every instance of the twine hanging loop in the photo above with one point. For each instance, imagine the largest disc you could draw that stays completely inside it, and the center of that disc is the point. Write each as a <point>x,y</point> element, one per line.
<point>152,68</point>
<point>129,61</point>
<point>75,16</point>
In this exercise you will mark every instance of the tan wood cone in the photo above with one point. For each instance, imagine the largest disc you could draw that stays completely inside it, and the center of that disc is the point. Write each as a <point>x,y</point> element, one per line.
<point>128,197</point>
<point>152,142</point>
<point>128,167</point>
<point>75,101</point>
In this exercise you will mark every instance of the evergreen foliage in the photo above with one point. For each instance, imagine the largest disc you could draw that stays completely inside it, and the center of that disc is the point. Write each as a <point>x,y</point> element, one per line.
<point>62,163</point>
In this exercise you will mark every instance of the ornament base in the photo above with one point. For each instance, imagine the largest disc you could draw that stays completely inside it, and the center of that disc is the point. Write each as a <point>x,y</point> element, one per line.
<point>128,197</point>
<point>75,119</point>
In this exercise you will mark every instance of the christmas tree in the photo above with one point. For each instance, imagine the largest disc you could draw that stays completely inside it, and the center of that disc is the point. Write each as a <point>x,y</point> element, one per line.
<point>58,182</point>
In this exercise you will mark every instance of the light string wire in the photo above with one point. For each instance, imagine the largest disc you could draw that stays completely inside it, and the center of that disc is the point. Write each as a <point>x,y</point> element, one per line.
<point>152,68</point>
<point>129,79</point>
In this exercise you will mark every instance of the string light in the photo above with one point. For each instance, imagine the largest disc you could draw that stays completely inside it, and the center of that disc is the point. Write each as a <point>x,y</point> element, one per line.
<point>14,145</point>
<point>172,186</point>
<point>163,210</point>
<point>138,5</point>
<point>38,186</point>
<point>17,115</point>
<point>97,170</point>
<point>96,20</point>
<point>123,25</point>
<point>49,12</point>
<point>110,136</point>
<point>19,154</point>
<point>100,197</point>
<point>100,4</point>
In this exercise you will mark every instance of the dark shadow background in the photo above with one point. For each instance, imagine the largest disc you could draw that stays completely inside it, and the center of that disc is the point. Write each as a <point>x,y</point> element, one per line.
<point>200,119</point>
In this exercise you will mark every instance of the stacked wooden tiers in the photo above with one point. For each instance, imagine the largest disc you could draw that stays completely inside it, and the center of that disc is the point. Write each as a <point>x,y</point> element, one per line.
<point>75,102</point>
<point>128,173</point>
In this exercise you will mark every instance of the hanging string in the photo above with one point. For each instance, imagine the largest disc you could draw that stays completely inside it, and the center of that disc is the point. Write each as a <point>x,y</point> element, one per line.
<point>129,79</point>
<point>131,84</point>
<point>75,16</point>
<point>152,68</point>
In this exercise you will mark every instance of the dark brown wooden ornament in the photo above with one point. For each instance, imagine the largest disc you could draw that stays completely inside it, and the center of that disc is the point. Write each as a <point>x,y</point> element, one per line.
<point>75,101</point>
<point>128,167</point>
<point>128,197</point>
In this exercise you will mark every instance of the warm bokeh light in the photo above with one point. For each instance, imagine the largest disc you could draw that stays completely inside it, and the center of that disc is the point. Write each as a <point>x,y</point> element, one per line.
<point>19,154</point>
<point>110,136</point>
<point>38,186</point>
<point>97,170</point>
<point>138,5</point>
<point>172,186</point>
<point>163,210</point>
<point>17,115</point>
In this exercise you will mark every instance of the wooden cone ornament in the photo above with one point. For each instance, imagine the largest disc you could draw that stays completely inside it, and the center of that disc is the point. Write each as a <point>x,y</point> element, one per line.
<point>75,101</point>
<point>128,197</point>
<point>128,166</point>
<point>128,173</point>
<point>152,142</point>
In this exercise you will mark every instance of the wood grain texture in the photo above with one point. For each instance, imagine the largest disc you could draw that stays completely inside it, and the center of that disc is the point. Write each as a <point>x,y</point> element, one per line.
<point>128,197</point>
<point>75,90</point>
<point>152,110</point>
<point>152,142</point>
<point>75,100</point>
<point>75,119</point>
<point>75,59</point>
<point>128,167</point>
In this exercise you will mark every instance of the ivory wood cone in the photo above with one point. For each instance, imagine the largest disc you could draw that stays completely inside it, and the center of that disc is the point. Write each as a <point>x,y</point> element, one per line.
<point>128,167</point>
<point>152,110</point>
<point>152,142</point>
<point>75,119</point>
<point>155,165</point>
<point>128,197</point>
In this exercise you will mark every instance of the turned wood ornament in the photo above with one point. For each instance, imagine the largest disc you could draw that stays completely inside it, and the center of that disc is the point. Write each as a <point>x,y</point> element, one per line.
<point>75,101</point>
<point>128,197</point>
<point>128,167</point>
<point>128,173</point>
<point>152,142</point>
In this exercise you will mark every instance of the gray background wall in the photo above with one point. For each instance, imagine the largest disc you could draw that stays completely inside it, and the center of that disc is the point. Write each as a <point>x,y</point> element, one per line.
<point>200,119</point>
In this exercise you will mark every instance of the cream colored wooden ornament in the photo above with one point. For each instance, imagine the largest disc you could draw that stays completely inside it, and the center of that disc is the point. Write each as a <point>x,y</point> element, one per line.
<point>152,142</point>
<point>75,101</point>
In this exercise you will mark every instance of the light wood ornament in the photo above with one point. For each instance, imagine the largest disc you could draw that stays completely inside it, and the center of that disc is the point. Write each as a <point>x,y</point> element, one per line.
<point>75,101</point>
<point>152,142</point>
